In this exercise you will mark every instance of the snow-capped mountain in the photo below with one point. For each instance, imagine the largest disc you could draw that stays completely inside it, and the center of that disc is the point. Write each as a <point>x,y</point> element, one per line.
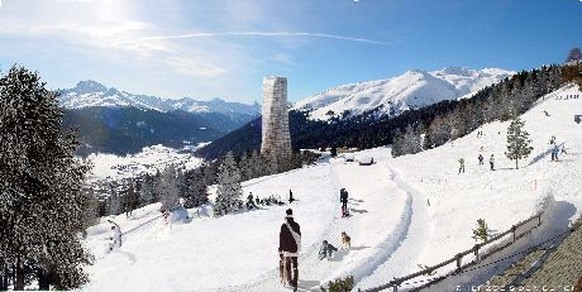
<point>413,89</point>
<point>93,94</point>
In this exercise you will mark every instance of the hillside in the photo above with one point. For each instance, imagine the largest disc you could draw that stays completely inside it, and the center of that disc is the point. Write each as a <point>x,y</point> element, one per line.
<point>409,210</point>
<point>411,90</point>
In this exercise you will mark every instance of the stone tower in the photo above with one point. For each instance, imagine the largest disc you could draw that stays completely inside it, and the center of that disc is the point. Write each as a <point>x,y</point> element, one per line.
<point>276,138</point>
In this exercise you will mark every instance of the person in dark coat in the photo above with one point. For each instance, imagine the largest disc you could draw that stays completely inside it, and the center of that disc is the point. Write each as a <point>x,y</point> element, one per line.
<point>344,201</point>
<point>492,162</point>
<point>289,247</point>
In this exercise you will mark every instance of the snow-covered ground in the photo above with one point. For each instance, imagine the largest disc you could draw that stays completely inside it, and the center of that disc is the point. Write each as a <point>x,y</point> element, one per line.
<point>415,209</point>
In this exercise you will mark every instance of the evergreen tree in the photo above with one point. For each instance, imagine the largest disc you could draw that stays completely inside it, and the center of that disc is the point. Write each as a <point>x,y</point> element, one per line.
<point>148,193</point>
<point>130,199</point>
<point>114,204</point>
<point>229,193</point>
<point>195,189</point>
<point>168,187</point>
<point>482,231</point>
<point>42,205</point>
<point>345,284</point>
<point>518,141</point>
<point>246,169</point>
<point>574,55</point>
<point>258,165</point>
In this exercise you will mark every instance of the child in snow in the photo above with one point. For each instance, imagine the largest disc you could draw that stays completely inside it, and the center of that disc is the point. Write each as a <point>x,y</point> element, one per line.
<point>480,157</point>
<point>326,250</point>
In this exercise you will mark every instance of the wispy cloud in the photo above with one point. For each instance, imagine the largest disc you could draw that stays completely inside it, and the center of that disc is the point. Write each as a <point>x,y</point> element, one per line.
<point>256,34</point>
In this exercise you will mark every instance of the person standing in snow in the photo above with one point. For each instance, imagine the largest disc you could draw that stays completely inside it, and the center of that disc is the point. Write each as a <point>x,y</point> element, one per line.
<point>461,165</point>
<point>115,238</point>
<point>480,157</point>
<point>492,162</point>
<point>289,247</point>
<point>555,152</point>
<point>291,199</point>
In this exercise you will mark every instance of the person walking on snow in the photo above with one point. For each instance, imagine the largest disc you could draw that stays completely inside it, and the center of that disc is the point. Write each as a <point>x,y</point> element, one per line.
<point>461,165</point>
<point>480,157</point>
<point>115,238</point>
<point>492,162</point>
<point>344,201</point>
<point>289,247</point>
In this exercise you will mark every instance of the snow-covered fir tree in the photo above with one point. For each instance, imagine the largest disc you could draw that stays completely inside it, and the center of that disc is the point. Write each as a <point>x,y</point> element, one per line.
<point>168,187</point>
<point>148,193</point>
<point>258,164</point>
<point>42,205</point>
<point>481,232</point>
<point>246,167</point>
<point>518,141</point>
<point>114,204</point>
<point>409,142</point>
<point>229,192</point>
<point>195,188</point>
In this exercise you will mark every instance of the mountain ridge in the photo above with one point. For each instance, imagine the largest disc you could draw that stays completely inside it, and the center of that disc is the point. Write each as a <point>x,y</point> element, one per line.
<point>89,93</point>
<point>392,96</point>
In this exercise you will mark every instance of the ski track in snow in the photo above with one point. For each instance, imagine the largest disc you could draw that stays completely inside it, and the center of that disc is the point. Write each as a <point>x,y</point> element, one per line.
<point>413,236</point>
<point>312,272</point>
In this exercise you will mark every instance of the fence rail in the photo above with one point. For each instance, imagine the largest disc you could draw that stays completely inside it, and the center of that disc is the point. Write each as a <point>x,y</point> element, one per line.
<point>477,251</point>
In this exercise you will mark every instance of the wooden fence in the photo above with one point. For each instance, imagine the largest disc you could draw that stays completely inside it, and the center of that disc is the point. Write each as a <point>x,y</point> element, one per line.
<point>471,256</point>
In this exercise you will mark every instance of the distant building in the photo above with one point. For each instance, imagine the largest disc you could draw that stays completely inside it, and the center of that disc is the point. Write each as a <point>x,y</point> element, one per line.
<point>276,139</point>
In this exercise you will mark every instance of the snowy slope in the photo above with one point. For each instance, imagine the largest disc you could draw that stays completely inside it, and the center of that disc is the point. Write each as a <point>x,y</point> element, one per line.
<point>413,89</point>
<point>93,94</point>
<point>414,209</point>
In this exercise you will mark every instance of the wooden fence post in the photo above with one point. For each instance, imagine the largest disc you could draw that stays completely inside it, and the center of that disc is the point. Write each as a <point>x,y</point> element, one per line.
<point>459,258</point>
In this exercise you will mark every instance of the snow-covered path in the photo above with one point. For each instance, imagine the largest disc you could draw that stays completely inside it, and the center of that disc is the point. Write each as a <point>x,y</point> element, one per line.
<point>376,228</point>
<point>412,243</point>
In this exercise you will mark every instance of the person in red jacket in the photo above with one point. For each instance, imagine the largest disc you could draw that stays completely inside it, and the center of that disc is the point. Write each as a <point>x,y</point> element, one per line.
<point>289,247</point>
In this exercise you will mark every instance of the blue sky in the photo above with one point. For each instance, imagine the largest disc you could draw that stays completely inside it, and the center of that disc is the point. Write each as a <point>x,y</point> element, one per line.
<point>223,48</point>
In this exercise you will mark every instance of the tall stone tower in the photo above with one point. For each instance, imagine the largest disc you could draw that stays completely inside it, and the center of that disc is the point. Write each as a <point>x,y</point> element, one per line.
<point>276,140</point>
